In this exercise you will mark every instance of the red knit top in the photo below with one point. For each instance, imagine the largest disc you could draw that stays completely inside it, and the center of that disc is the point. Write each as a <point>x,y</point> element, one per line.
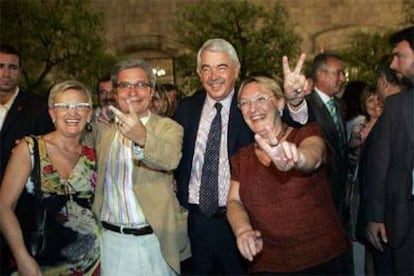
<point>293,210</point>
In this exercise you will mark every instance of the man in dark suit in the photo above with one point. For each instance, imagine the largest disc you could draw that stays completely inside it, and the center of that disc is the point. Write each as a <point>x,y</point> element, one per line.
<point>20,114</point>
<point>390,159</point>
<point>388,84</point>
<point>324,107</point>
<point>213,245</point>
<point>329,77</point>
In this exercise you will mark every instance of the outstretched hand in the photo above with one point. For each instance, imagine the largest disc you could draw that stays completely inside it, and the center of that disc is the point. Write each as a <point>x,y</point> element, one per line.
<point>129,124</point>
<point>284,155</point>
<point>294,83</point>
<point>250,243</point>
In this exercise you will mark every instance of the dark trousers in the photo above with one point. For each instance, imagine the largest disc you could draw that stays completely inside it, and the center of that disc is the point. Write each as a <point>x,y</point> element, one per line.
<point>403,256</point>
<point>213,245</point>
<point>396,260</point>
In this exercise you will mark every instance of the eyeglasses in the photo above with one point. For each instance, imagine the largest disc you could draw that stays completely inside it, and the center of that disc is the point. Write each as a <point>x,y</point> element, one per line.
<point>64,107</point>
<point>142,86</point>
<point>260,100</point>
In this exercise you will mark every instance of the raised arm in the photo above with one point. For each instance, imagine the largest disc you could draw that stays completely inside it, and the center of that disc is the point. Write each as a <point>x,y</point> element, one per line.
<point>295,89</point>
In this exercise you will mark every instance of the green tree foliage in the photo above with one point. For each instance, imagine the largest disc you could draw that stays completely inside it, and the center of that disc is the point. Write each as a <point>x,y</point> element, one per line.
<point>363,53</point>
<point>261,35</point>
<point>366,49</point>
<point>57,39</point>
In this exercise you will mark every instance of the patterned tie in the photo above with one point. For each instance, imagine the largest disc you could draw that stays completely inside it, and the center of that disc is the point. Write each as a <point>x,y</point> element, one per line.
<point>208,202</point>
<point>335,117</point>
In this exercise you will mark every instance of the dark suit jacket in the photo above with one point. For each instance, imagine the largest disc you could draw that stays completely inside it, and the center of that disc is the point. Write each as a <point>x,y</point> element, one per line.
<point>188,116</point>
<point>338,156</point>
<point>27,115</point>
<point>390,161</point>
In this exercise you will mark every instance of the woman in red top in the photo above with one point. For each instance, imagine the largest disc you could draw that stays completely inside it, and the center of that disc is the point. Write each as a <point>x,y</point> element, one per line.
<point>279,204</point>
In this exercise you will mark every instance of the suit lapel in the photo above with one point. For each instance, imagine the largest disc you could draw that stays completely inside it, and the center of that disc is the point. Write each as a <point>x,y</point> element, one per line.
<point>322,113</point>
<point>194,124</point>
<point>14,113</point>
<point>105,143</point>
<point>410,117</point>
<point>234,125</point>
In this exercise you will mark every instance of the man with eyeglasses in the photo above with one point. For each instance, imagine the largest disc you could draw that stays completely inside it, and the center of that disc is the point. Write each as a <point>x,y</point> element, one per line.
<point>328,111</point>
<point>135,198</point>
<point>325,107</point>
<point>21,114</point>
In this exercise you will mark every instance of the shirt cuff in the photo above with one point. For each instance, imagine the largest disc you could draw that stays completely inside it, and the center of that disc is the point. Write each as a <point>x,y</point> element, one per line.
<point>138,152</point>
<point>301,114</point>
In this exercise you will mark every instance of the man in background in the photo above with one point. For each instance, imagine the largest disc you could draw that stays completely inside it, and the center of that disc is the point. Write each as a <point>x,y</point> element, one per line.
<point>106,95</point>
<point>390,160</point>
<point>21,114</point>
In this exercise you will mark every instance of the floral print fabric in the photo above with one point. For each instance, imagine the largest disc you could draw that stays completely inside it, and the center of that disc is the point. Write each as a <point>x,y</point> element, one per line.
<point>71,228</point>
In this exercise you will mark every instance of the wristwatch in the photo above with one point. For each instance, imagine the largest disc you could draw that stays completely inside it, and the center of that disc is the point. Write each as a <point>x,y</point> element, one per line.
<point>138,151</point>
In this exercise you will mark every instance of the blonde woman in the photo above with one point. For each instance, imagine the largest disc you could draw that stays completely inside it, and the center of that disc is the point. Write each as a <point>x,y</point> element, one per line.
<point>279,204</point>
<point>67,173</point>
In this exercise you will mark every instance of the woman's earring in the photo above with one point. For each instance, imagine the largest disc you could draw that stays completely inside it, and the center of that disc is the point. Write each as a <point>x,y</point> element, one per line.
<point>88,127</point>
<point>281,112</point>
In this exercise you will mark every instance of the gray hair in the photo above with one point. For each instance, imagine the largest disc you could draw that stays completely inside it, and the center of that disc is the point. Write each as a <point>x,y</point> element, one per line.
<point>132,63</point>
<point>59,88</point>
<point>218,45</point>
<point>321,60</point>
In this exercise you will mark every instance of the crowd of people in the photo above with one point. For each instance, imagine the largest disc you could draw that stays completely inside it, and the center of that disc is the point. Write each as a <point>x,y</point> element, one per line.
<point>305,175</point>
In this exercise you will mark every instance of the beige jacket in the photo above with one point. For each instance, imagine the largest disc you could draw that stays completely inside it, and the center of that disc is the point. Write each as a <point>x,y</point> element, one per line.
<point>153,182</point>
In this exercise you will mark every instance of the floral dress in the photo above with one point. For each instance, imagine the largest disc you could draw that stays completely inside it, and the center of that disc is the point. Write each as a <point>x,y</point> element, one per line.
<point>72,232</point>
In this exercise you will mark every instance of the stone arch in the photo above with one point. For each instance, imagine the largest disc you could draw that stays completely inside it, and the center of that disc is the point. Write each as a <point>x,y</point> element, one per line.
<point>337,37</point>
<point>159,50</point>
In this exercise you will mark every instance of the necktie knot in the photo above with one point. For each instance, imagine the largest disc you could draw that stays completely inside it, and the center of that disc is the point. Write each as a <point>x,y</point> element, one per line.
<point>218,106</point>
<point>331,104</point>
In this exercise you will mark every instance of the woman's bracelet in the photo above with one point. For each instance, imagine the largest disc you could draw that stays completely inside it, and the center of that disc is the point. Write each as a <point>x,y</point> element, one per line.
<point>242,232</point>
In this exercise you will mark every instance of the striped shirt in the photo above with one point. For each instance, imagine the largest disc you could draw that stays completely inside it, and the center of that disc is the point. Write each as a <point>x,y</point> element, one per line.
<point>207,115</point>
<point>121,206</point>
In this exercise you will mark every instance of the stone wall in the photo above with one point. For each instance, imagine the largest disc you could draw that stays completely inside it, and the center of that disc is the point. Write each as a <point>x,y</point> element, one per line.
<point>143,28</point>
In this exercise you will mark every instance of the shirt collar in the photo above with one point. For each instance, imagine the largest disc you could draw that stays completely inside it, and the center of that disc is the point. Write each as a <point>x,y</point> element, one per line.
<point>325,98</point>
<point>11,101</point>
<point>144,120</point>
<point>226,102</point>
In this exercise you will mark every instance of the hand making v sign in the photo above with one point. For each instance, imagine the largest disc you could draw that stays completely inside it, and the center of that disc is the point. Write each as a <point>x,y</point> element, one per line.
<point>130,124</point>
<point>295,84</point>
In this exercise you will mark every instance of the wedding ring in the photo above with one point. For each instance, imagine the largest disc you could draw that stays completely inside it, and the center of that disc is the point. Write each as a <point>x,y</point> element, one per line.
<point>298,90</point>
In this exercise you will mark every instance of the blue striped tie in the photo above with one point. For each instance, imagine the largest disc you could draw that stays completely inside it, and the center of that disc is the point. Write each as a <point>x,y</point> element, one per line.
<point>335,117</point>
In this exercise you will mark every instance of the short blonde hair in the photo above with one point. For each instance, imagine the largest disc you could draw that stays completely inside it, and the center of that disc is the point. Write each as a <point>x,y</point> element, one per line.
<point>59,88</point>
<point>267,82</point>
